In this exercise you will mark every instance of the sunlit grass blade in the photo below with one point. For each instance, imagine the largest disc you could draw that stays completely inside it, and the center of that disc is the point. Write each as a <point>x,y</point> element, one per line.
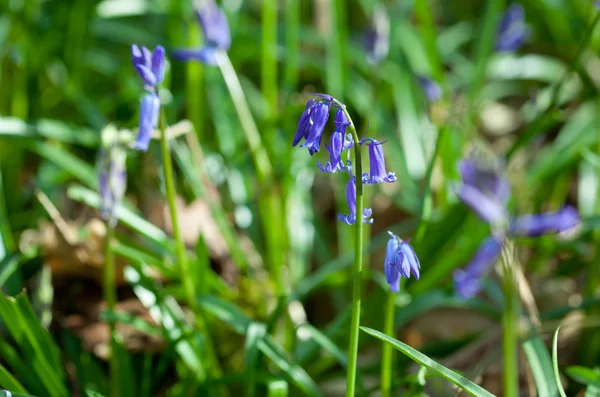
<point>9,382</point>
<point>540,363</point>
<point>460,381</point>
<point>125,215</point>
<point>555,370</point>
<point>255,332</point>
<point>35,342</point>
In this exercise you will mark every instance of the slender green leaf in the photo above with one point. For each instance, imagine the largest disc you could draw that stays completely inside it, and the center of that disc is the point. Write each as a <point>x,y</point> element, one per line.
<point>557,380</point>
<point>460,381</point>
<point>584,375</point>
<point>541,367</point>
<point>125,215</point>
<point>9,382</point>
<point>326,343</point>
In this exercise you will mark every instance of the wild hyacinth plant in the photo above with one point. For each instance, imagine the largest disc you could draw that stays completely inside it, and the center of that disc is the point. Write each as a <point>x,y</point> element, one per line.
<point>112,182</point>
<point>399,254</point>
<point>150,68</point>
<point>486,190</point>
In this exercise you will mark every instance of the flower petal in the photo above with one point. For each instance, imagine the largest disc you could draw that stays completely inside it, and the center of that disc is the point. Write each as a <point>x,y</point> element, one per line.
<point>549,222</point>
<point>487,208</point>
<point>158,63</point>
<point>207,55</point>
<point>146,74</point>
<point>148,119</point>
<point>467,282</point>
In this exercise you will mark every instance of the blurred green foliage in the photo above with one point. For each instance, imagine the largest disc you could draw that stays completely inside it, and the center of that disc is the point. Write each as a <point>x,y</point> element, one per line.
<point>277,297</point>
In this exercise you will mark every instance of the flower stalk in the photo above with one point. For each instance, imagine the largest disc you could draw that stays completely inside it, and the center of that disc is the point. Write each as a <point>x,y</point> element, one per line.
<point>110,296</point>
<point>386,352</point>
<point>358,258</point>
<point>510,337</point>
<point>186,276</point>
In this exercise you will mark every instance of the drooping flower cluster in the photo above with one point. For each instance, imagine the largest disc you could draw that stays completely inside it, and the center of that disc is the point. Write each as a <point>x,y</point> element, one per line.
<point>217,36</point>
<point>487,191</point>
<point>112,172</point>
<point>513,30</point>
<point>400,261</point>
<point>310,129</point>
<point>150,66</point>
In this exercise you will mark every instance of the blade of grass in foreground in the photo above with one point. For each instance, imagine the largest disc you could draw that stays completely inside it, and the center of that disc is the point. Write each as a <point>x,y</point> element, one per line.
<point>460,381</point>
<point>541,366</point>
<point>559,385</point>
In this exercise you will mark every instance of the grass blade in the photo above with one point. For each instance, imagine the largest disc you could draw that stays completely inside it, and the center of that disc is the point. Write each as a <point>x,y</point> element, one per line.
<point>541,367</point>
<point>555,364</point>
<point>460,381</point>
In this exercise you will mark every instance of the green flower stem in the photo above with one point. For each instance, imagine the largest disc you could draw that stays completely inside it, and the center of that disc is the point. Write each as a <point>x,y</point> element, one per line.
<point>186,276</point>
<point>386,349</point>
<point>510,338</point>
<point>110,296</point>
<point>358,258</point>
<point>270,203</point>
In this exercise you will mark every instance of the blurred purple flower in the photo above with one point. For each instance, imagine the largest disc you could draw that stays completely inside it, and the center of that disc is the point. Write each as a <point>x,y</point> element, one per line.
<point>340,141</point>
<point>377,172</point>
<point>534,225</point>
<point>377,36</point>
<point>351,200</point>
<point>513,30</point>
<point>149,66</point>
<point>400,261</point>
<point>148,119</point>
<point>432,90</point>
<point>112,176</point>
<point>467,282</point>
<point>217,35</point>
<point>485,190</point>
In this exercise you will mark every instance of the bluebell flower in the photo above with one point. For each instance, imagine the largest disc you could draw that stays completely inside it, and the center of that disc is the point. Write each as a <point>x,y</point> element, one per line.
<point>303,123</point>
<point>351,200</point>
<point>513,30</point>
<point>377,172</point>
<point>485,190</point>
<point>377,36</point>
<point>432,90</point>
<point>112,177</point>
<point>467,282</point>
<point>149,66</point>
<point>400,261</point>
<point>340,141</point>
<point>312,123</point>
<point>216,33</point>
<point>148,119</point>
<point>534,225</point>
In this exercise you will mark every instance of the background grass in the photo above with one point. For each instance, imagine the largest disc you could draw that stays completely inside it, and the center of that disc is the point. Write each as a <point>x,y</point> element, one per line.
<point>277,296</point>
